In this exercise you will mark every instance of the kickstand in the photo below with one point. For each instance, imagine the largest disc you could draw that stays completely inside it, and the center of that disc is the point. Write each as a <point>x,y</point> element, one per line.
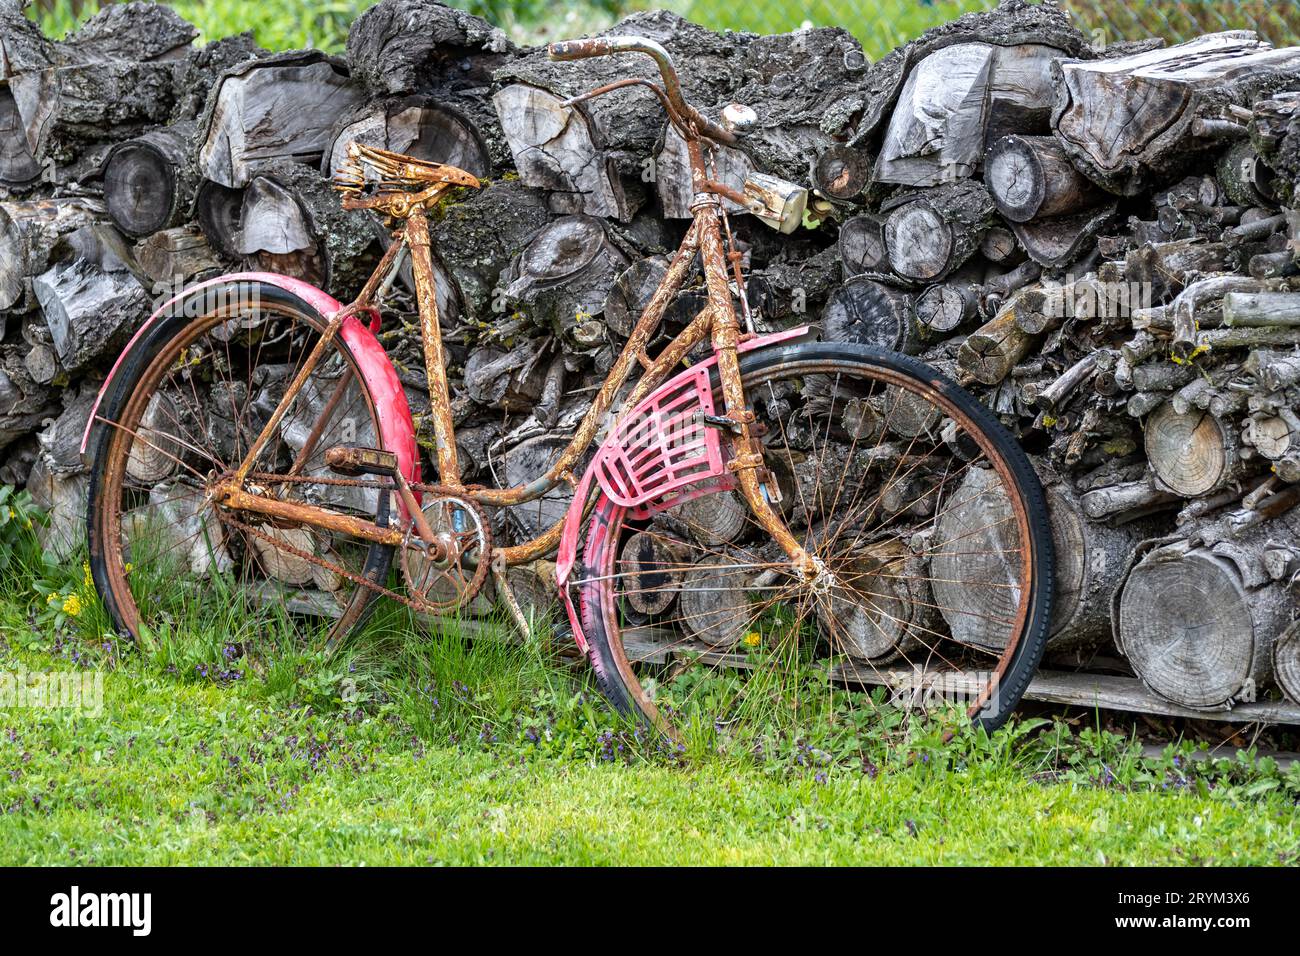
<point>508,595</point>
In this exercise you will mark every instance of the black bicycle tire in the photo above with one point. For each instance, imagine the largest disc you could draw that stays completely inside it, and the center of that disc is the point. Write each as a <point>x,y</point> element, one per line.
<point>1033,639</point>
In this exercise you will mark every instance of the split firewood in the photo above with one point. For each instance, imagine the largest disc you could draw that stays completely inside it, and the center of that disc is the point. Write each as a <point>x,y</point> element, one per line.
<point>991,351</point>
<point>217,211</point>
<point>478,237</point>
<point>29,233</point>
<point>898,616</point>
<point>1009,25</point>
<point>1286,662</point>
<point>418,126</point>
<point>652,566</point>
<point>1192,453</point>
<point>63,498</point>
<point>72,115</point>
<point>89,312</point>
<point>25,401</point>
<point>149,181</point>
<point>672,175</point>
<point>626,126</point>
<point>181,253</point>
<point>198,73</point>
<point>565,275</point>
<point>862,246</point>
<point>291,221</point>
<point>23,47</point>
<point>1125,120</point>
<point>936,131</point>
<point>713,608</point>
<point>270,110</point>
<point>557,147</point>
<point>1058,242</point>
<point>18,167</point>
<point>1197,621</point>
<point>1030,177</point>
<point>713,520</point>
<point>841,172</point>
<point>931,233</point>
<point>866,312</point>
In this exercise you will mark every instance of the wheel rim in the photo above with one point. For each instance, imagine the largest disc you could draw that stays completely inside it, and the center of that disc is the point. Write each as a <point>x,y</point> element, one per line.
<point>168,446</point>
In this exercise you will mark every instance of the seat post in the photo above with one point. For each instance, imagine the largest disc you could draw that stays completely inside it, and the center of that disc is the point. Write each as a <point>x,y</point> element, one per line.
<point>417,237</point>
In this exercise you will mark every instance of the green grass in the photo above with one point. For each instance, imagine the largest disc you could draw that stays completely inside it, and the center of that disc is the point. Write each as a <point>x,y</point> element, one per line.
<point>411,747</point>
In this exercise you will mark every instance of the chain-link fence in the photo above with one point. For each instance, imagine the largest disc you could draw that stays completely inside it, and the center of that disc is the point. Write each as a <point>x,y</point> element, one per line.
<point>884,24</point>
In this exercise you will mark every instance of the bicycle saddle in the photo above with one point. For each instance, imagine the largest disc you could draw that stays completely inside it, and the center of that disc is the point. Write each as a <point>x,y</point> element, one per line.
<point>398,183</point>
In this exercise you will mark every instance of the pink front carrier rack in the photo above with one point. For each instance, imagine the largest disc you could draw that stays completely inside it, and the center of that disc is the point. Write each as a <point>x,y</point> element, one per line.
<point>663,446</point>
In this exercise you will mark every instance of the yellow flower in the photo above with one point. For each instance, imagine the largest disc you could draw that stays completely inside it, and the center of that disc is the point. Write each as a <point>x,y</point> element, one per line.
<point>51,597</point>
<point>85,566</point>
<point>72,605</point>
<point>751,639</point>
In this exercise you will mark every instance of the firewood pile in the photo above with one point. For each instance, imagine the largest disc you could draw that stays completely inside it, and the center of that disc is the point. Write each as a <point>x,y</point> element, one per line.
<point>1100,243</point>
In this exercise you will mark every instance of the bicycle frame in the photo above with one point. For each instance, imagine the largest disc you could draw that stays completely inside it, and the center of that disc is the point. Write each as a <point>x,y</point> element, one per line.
<point>717,322</point>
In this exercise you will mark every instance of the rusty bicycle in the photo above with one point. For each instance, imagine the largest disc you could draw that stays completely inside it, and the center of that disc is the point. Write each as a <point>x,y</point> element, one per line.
<point>254,455</point>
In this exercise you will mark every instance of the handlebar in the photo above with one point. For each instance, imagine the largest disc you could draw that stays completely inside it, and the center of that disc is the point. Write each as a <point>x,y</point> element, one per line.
<point>605,46</point>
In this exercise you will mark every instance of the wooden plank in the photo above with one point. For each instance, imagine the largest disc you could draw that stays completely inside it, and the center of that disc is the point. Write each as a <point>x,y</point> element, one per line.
<point>655,645</point>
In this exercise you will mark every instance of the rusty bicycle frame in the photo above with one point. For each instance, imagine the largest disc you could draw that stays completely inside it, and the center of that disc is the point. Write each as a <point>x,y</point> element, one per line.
<point>407,188</point>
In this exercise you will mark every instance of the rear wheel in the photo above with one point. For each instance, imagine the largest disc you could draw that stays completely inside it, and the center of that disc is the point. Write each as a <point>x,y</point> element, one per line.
<point>185,408</point>
<point>925,512</point>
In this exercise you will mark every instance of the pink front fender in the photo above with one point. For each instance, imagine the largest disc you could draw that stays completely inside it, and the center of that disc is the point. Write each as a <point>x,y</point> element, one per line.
<point>396,430</point>
<point>657,455</point>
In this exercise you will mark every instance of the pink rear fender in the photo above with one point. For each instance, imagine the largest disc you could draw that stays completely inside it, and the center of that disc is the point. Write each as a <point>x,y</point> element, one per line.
<point>396,430</point>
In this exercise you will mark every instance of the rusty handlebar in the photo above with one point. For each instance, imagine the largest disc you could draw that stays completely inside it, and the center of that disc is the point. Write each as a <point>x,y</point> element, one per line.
<point>605,46</point>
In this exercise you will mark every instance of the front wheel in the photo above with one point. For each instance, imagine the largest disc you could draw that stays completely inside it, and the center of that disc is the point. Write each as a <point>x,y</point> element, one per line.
<point>928,517</point>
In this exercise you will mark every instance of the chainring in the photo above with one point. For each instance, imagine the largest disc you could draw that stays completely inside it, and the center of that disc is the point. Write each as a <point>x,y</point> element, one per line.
<point>442,586</point>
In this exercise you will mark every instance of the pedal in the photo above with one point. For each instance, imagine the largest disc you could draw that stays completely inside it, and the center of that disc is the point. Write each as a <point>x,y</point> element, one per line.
<point>353,460</point>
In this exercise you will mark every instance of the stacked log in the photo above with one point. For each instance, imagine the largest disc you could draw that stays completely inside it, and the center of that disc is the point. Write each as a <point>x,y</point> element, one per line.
<point>1102,245</point>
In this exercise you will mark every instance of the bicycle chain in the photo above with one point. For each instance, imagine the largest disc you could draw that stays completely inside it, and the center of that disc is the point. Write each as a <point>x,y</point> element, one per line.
<point>321,562</point>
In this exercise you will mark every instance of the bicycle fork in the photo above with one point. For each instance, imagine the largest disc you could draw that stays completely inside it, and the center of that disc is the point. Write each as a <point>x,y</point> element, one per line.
<point>747,463</point>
